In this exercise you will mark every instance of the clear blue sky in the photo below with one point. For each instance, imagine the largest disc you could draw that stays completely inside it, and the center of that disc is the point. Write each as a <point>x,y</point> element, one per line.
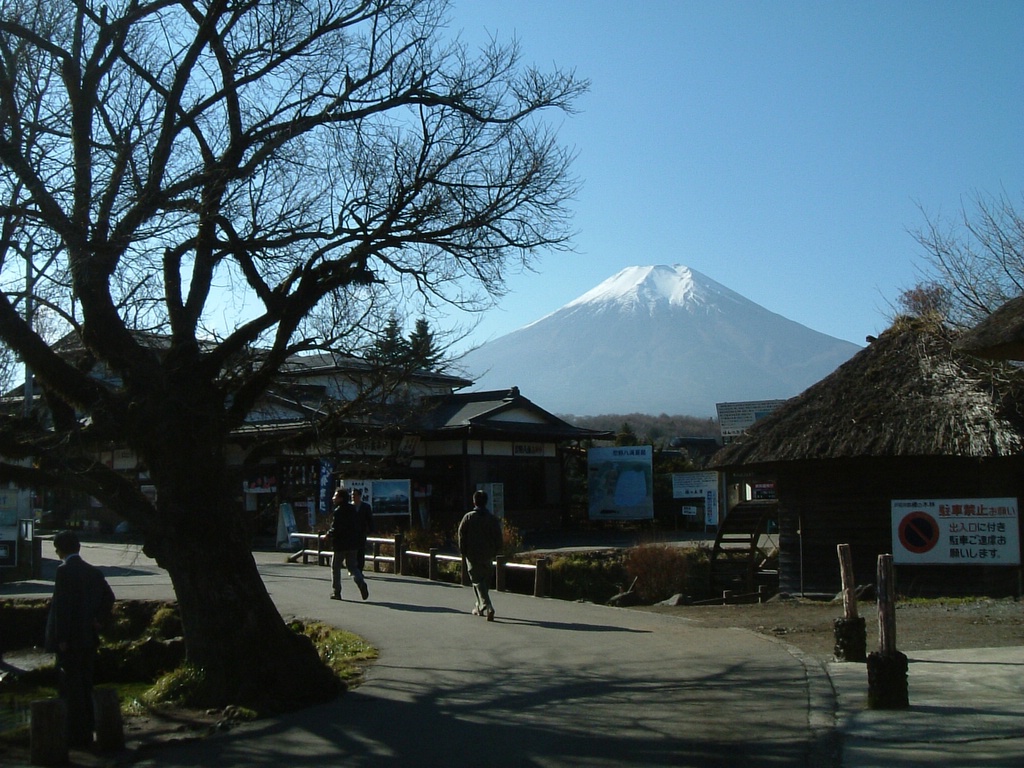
<point>784,149</point>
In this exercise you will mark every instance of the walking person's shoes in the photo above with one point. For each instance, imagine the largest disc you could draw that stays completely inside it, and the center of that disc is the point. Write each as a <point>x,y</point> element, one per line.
<point>490,614</point>
<point>476,612</point>
<point>336,596</point>
<point>363,590</point>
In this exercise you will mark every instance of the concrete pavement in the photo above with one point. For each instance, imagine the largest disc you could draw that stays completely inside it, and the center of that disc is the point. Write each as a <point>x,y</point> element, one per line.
<point>966,711</point>
<point>551,683</point>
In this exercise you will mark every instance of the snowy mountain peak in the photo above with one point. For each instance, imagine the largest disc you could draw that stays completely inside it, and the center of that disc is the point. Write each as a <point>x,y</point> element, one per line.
<point>649,286</point>
<point>657,339</point>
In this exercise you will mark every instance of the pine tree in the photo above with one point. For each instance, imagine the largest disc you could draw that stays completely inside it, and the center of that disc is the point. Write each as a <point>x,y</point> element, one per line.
<point>391,348</point>
<point>425,355</point>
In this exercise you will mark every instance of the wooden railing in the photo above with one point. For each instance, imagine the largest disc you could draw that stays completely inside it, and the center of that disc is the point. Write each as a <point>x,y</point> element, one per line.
<point>400,554</point>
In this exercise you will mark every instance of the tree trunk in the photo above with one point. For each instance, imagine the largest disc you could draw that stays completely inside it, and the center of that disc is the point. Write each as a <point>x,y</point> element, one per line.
<point>235,634</point>
<point>233,631</point>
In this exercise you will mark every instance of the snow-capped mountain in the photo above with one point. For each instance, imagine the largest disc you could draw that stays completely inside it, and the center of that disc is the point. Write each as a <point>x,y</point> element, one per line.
<point>656,339</point>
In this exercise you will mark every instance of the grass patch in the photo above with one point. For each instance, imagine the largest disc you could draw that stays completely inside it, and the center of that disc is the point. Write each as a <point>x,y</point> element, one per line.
<point>133,659</point>
<point>346,654</point>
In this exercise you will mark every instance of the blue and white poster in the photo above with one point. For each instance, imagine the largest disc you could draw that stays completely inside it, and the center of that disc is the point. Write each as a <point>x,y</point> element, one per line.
<point>620,483</point>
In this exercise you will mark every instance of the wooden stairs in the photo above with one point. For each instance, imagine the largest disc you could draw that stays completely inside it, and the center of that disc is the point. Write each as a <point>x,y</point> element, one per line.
<point>738,558</point>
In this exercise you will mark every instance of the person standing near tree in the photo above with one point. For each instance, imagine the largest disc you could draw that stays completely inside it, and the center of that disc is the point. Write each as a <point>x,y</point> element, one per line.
<point>347,535</point>
<point>480,538</point>
<point>82,601</point>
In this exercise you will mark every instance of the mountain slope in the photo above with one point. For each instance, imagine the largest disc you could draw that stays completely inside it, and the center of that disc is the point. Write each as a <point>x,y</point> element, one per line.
<point>656,339</point>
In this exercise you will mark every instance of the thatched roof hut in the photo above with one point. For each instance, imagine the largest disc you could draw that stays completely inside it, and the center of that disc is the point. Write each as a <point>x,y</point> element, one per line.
<point>909,393</point>
<point>999,336</point>
<point>908,417</point>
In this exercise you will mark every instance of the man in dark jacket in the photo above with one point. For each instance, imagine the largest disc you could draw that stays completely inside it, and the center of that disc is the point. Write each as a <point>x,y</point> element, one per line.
<point>348,534</point>
<point>364,512</point>
<point>480,539</point>
<point>82,601</point>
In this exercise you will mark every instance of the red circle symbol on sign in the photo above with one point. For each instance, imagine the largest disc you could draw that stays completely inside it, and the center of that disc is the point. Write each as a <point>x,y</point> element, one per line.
<point>919,533</point>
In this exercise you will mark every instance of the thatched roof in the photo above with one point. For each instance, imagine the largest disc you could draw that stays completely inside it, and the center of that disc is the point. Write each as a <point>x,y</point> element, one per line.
<point>908,393</point>
<point>999,336</point>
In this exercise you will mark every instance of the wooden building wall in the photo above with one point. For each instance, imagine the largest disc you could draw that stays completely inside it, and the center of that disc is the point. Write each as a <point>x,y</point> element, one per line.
<point>826,503</point>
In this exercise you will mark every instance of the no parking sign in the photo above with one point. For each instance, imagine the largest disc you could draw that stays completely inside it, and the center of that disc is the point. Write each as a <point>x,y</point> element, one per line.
<point>955,532</point>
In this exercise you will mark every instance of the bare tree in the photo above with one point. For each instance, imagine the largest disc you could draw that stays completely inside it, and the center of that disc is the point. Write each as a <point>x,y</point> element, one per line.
<point>281,156</point>
<point>926,300</point>
<point>976,262</point>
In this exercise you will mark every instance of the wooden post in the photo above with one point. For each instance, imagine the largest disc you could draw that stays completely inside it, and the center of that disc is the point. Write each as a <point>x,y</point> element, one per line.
<point>851,630</point>
<point>48,732</point>
<point>399,553</point>
<point>109,725</point>
<point>376,557</point>
<point>886,607</point>
<point>540,579</point>
<point>887,669</point>
<point>726,596</point>
<point>322,557</point>
<point>499,572</point>
<point>849,588</point>
<point>432,564</point>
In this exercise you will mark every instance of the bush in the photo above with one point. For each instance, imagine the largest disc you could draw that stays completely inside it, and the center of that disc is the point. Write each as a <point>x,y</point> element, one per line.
<point>511,540</point>
<point>594,577</point>
<point>659,571</point>
<point>424,539</point>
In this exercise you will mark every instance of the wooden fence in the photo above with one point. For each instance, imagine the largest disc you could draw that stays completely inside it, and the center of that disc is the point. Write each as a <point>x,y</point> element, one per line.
<point>314,545</point>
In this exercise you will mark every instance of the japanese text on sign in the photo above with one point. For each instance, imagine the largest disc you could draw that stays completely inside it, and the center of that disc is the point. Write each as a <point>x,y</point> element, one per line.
<point>956,532</point>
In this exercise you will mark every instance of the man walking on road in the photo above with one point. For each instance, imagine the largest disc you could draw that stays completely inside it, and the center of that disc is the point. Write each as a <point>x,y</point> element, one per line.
<point>348,535</point>
<point>480,539</point>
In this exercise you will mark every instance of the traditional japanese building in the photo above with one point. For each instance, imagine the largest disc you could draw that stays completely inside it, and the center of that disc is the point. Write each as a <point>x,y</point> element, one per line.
<point>411,437</point>
<point>909,417</point>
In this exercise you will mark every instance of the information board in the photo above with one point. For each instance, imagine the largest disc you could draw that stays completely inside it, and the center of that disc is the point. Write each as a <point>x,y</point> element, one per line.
<point>955,532</point>
<point>620,483</point>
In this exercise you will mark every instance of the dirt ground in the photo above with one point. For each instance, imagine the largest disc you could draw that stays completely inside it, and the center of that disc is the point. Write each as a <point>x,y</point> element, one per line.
<point>808,625</point>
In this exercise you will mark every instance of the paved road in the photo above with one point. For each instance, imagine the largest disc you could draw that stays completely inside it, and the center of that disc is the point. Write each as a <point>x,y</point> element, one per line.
<point>554,684</point>
<point>548,684</point>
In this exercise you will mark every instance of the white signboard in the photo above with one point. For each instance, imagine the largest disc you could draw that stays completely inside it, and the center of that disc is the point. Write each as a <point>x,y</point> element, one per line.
<point>735,418</point>
<point>698,485</point>
<point>620,483</point>
<point>689,485</point>
<point>955,532</point>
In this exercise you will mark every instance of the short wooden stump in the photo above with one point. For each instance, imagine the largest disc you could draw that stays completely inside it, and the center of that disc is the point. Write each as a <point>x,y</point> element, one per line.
<point>887,681</point>
<point>851,639</point>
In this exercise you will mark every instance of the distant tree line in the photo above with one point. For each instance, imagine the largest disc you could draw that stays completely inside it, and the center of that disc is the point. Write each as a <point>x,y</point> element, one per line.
<point>645,429</point>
